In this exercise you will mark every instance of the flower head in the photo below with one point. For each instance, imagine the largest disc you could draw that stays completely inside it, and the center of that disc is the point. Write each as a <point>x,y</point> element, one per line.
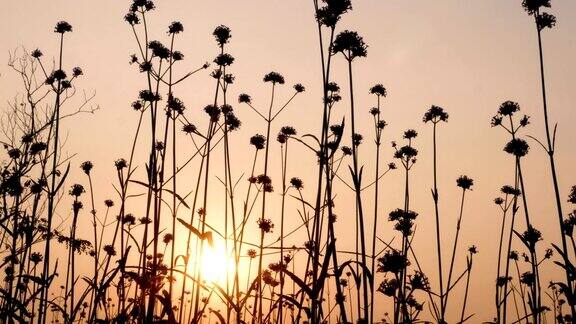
<point>62,27</point>
<point>132,18</point>
<point>350,44</point>
<point>410,134</point>
<point>265,225</point>
<point>464,182</point>
<point>517,147</point>
<point>244,98</point>
<point>76,190</point>
<point>175,27</point>
<point>392,261</point>
<point>299,88</point>
<point>174,104</point>
<point>296,183</point>
<point>330,14</point>
<point>533,6</point>
<point>435,114</point>
<point>36,53</point>
<point>545,20</point>
<point>224,59</point>
<point>378,90</point>
<point>274,77</point>
<point>259,141</point>
<point>508,108</point>
<point>222,35</point>
<point>572,195</point>
<point>159,50</point>
<point>86,166</point>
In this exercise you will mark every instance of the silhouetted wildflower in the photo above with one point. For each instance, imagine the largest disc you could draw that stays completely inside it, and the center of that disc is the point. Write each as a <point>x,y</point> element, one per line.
<point>496,121</point>
<point>274,77</point>
<point>473,249</point>
<point>501,281</point>
<point>177,56</point>
<point>508,108</point>
<point>337,129</point>
<point>464,182</point>
<point>509,190</point>
<point>66,84</point>
<point>435,114</point>
<point>14,153</point>
<point>517,147</point>
<point>299,88</point>
<point>357,139</point>
<point>288,131</point>
<point>572,195</point>
<point>159,50</point>
<point>145,220</point>
<point>388,287</point>
<point>244,98</point>
<point>531,236</point>
<point>189,128</point>
<point>527,278</point>
<point>513,255</point>
<point>228,78</point>
<point>532,6</point>
<point>374,111</point>
<point>392,166</point>
<point>110,250</point>
<point>232,122</point>
<point>213,112</point>
<point>224,59</point>
<point>569,223</point>
<point>419,281</point>
<point>330,14</point>
<point>59,75</point>
<point>498,201</point>
<point>62,27</point>
<point>175,105</point>
<point>346,150</point>
<point>86,166</point>
<point>77,71</point>
<point>524,121</point>
<point>222,35</point>
<point>120,164</point>
<point>378,90</point>
<point>265,225</point>
<point>258,141</point>
<point>167,238</point>
<point>268,279</point>
<point>350,44</point>
<point>545,20</point>
<point>392,261</point>
<point>76,190</point>
<point>37,147</point>
<point>381,124</point>
<point>145,66</point>
<point>36,257</point>
<point>175,27</point>
<point>296,183</point>
<point>410,134</point>
<point>406,152</point>
<point>36,53</point>
<point>129,219</point>
<point>251,253</point>
<point>147,95</point>
<point>109,203</point>
<point>136,105</point>
<point>132,18</point>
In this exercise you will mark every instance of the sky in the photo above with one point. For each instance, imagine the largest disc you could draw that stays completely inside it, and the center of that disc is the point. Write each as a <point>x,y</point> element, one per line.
<point>466,56</point>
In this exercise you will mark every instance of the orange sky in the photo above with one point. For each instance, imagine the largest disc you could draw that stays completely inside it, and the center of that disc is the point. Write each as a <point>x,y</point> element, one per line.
<point>466,56</point>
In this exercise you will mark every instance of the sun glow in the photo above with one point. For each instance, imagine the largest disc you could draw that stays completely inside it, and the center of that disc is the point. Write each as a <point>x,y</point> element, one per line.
<point>215,263</point>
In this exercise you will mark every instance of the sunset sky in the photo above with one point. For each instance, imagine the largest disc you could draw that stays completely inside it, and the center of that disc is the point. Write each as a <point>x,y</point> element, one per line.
<point>463,55</point>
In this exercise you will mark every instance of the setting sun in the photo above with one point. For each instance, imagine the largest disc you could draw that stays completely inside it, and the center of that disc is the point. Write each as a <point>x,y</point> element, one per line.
<point>216,263</point>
